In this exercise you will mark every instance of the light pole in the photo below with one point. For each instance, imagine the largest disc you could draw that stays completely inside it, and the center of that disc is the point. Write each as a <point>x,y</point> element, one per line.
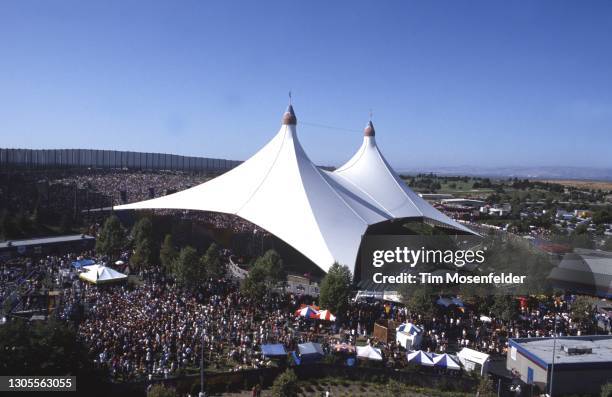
<point>552,364</point>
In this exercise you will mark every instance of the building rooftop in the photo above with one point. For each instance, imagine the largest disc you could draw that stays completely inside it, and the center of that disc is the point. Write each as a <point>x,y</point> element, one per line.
<point>462,200</point>
<point>596,349</point>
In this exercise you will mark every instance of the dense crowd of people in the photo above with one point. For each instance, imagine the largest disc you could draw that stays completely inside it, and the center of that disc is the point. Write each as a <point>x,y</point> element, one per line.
<point>126,187</point>
<point>155,329</point>
<point>137,186</point>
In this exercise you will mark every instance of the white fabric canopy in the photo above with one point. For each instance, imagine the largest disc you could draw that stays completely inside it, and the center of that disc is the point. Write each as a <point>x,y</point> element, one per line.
<point>326,315</point>
<point>485,319</point>
<point>321,214</point>
<point>420,357</point>
<point>445,361</point>
<point>369,352</point>
<point>409,336</point>
<point>470,357</point>
<point>98,274</point>
<point>370,173</point>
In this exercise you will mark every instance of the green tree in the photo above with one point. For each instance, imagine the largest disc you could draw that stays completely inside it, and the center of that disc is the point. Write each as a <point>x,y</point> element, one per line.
<point>581,229</point>
<point>254,285</point>
<point>142,239</point>
<point>112,238</point>
<point>581,239</point>
<point>187,269</point>
<point>36,346</point>
<point>285,385</point>
<point>419,299</point>
<point>602,216</point>
<point>581,311</point>
<point>505,307</point>
<point>48,348</point>
<point>485,387</point>
<point>606,390</point>
<point>274,268</point>
<point>167,253</point>
<point>160,390</point>
<point>266,274</point>
<point>212,263</point>
<point>335,289</point>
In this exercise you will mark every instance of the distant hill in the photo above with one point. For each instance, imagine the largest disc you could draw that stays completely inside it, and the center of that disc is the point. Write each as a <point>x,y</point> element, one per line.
<point>576,173</point>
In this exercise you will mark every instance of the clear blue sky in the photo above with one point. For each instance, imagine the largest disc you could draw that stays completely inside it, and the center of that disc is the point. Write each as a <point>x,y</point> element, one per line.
<point>452,83</point>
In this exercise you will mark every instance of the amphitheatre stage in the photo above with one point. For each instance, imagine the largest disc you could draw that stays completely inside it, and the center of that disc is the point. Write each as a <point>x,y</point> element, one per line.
<point>321,214</point>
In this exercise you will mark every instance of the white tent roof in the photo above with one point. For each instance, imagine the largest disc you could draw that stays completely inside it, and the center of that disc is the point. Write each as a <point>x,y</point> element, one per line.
<point>98,274</point>
<point>473,355</point>
<point>321,214</point>
<point>445,361</point>
<point>370,173</point>
<point>409,328</point>
<point>419,357</point>
<point>369,352</point>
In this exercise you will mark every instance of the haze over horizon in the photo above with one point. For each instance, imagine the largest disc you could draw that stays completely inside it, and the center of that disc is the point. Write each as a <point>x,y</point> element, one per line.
<point>488,84</point>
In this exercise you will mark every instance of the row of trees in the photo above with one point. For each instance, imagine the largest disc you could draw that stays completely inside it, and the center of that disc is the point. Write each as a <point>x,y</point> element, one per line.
<point>190,269</point>
<point>45,348</point>
<point>268,274</point>
<point>186,265</point>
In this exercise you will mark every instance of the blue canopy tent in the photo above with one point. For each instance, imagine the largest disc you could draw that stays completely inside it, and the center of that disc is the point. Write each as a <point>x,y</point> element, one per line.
<point>457,302</point>
<point>419,357</point>
<point>409,328</point>
<point>445,361</point>
<point>273,350</point>
<point>310,351</point>
<point>446,302</point>
<point>83,262</point>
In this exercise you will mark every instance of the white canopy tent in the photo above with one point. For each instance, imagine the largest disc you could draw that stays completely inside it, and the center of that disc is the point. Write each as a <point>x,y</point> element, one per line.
<point>321,214</point>
<point>445,361</point>
<point>370,173</point>
<point>99,274</point>
<point>369,352</point>
<point>409,336</point>
<point>473,360</point>
<point>419,357</point>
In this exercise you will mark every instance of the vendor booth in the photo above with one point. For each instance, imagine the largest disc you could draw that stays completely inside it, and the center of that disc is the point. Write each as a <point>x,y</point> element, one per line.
<point>98,274</point>
<point>310,352</point>
<point>419,357</point>
<point>370,353</point>
<point>473,360</point>
<point>274,350</point>
<point>409,336</point>
<point>445,361</point>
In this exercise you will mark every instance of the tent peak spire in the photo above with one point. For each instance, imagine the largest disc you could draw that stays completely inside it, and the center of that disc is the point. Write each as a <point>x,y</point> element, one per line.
<point>289,116</point>
<point>369,130</point>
